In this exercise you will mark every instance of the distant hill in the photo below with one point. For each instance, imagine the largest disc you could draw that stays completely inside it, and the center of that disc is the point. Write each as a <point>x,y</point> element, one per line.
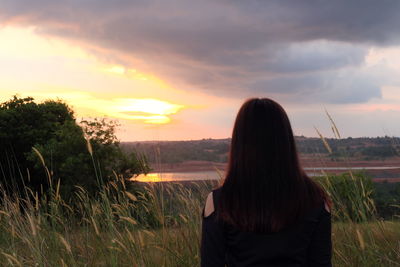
<point>216,150</point>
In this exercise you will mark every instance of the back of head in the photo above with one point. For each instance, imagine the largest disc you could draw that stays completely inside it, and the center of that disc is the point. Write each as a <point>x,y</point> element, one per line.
<point>265,188</point>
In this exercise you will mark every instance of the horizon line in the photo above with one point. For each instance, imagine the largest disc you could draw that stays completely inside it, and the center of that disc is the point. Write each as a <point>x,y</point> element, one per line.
<point>227,138</point>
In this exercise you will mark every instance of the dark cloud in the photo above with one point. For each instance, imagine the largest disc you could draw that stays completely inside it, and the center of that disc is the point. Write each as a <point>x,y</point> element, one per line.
<point>339,87</point>
<point>227,47</point>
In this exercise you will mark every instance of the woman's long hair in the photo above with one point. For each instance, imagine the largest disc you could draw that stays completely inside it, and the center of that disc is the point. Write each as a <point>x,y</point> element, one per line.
<point>265,188</point>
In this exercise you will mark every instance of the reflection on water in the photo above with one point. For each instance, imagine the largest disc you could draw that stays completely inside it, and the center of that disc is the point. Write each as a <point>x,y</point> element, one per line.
<point>213,175</point>
<point>177,176</point>
<point>154,177</point>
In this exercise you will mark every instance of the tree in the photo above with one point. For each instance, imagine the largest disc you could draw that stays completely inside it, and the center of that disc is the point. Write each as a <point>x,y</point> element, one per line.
<point>106,149</point>
<point>23,124</point>
<point>61,146</point>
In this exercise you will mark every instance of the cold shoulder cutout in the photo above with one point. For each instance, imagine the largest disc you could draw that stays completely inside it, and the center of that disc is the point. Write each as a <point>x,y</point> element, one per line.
<point>209,207</point>
<point>327,208</point>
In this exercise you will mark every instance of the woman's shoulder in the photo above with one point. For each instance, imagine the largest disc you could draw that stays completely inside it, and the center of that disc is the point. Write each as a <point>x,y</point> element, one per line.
<point>211,200</point>
<point>327,206</point>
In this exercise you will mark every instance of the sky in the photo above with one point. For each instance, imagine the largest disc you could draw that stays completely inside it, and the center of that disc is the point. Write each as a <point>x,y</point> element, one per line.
<point>180,69</point>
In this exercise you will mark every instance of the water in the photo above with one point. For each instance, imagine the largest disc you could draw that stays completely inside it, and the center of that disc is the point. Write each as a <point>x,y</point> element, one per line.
<point>178,176</point>
<point>213,175</point>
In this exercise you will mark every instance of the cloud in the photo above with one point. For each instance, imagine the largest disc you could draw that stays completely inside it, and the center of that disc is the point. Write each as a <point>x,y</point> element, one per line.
<point>343,86</point>
<point>230,48</point>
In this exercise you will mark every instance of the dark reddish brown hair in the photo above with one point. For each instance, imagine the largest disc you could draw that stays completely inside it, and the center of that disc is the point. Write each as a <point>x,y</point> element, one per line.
<point>265,188</point>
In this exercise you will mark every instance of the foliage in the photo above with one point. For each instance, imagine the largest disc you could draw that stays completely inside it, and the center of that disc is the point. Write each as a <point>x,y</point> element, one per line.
<point>379,152</point>
<point>60,148</point>
<point>151,225</point>
<point>178,151</point>
<point>216,150</point>
<point>387,199</point>
<point>24,124</point>
<point>66,157</point>
<point>106,148</point>
<point>352,196</point>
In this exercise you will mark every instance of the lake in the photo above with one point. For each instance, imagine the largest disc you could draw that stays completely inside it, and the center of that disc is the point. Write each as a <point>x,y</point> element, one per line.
<point>213,175</point>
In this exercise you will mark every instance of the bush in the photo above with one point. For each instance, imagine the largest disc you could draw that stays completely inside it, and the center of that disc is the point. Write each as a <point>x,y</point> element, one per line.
<point>352,196</point>
<point>43,145</point>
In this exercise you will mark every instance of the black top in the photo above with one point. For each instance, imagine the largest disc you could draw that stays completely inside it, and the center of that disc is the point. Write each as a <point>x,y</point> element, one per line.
<point>308,243</point>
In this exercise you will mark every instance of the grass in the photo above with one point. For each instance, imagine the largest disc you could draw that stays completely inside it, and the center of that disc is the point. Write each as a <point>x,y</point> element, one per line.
<point>154,225</point>
<point>159,225</point>
<point>117,228</point>
<point>374,243</point>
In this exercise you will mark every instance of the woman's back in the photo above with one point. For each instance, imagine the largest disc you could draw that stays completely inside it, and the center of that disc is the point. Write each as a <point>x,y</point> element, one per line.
<point>268,212</point>
<point>305,243</point>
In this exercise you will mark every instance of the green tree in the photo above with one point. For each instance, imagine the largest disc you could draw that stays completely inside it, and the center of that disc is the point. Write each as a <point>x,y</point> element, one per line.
<point>23,124</point>
<point>72,154</point>
<point>106,149</point>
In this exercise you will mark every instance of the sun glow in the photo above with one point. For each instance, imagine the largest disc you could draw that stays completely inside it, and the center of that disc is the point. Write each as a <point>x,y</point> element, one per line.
<point>53,69</point>
<point>149,110</point>
<point>116,70</point>
<point>152,106</point>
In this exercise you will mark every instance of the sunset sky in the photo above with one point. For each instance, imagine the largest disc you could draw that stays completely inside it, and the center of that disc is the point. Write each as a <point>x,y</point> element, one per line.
<point>179,69</point>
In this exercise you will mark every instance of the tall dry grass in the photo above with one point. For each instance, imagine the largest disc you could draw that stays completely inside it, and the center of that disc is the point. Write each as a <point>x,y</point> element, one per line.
<point>159,225</point>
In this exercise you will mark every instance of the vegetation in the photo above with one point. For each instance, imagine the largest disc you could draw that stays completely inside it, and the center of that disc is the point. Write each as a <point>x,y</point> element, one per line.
<point>50,129</point>
<point>216,150</point>
<point>387,199</point>
<point>352,195</point>
<point>88,214</point>
<point>159,225</point>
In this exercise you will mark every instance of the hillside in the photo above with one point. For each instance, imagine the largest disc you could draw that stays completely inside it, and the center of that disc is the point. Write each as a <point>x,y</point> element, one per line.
<point>216,150</point>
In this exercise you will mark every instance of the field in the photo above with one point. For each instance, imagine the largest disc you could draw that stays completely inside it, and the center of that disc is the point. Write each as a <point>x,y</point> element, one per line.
<point>211,154</point>
<point>159,225</point>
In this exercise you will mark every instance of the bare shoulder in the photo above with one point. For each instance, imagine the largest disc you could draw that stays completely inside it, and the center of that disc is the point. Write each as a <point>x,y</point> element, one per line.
<point>327,207</point>
<point>209,207</point>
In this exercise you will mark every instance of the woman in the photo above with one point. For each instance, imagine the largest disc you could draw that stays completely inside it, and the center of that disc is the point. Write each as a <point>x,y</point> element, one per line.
<point>268,212</point>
